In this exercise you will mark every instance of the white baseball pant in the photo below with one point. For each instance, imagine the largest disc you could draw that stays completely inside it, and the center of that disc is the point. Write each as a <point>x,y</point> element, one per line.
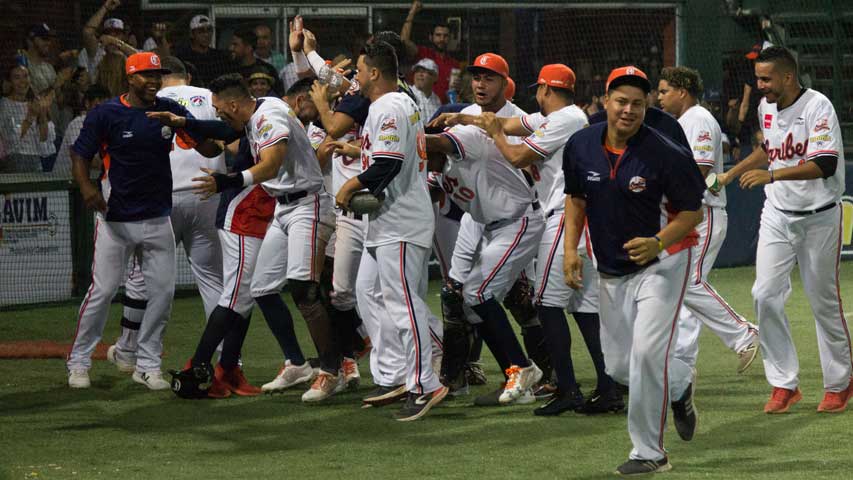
<point>551,289</point>
<point>349,246</point>
<point>814,243</point>
<point>639,320</point>
<point>444,240</point>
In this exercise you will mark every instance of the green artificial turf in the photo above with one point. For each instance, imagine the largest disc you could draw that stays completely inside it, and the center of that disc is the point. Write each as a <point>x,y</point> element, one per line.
<point>118,429</point>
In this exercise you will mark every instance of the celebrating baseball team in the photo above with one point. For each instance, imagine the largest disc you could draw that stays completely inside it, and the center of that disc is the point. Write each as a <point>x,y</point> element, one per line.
<point>343,191</point>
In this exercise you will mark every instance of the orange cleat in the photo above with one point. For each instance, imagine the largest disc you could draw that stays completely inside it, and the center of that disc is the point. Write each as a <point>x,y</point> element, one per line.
<point>836,402</point>
<point>220,387</point>
<point>782,399</point>
<point>238,384</point>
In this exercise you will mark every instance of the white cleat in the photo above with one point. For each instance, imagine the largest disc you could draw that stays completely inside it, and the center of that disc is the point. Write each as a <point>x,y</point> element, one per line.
<point>122,365</point>
<point>288,376</point>
<point>79,379</point>
<point>352,377</point>
<point>526,398</point>
<point>518,380</point>
<point>152,380</point>
<point>324,386</point>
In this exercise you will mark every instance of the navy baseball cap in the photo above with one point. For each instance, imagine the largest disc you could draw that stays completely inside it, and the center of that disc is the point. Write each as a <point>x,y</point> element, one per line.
<point>41,30</point>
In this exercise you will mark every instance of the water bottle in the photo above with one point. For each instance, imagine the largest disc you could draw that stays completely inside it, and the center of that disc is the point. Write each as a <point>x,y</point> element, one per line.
<point>452,94</point>
<point>328,75</point>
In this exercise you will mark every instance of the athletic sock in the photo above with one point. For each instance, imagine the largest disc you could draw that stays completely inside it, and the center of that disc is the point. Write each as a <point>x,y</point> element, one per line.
<point>221,321</point>
<point>558,339</point>
<point>488,339</point>
<point>281,325</point>
<point>233,342</point>
<point>347,322</point>
<point>496,323</point>
<point>590,326</point>
<point>323,332</point>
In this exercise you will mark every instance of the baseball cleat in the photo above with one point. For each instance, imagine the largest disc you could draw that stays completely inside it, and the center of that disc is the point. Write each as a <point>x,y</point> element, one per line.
<point>782,399</point>
<point>324,386</point>
<point>122,365</point>
<point>685,415</point>
<point>836,402</point>
<point>352,377</point>
<point>603,402</point>
<point>418,405</point>
<point>237,383</point>
<point>560,403</point>
<point>746,356</point>
<point>79,379</point>
<point>288,376</point>
<point>643,467</point>
<point>382,396</point>
<point>475,374</point>
<point>365,351</point>
<point>545,390</point>
<point>518,380</point>
<point>152,380</point>
<point>219,388</point>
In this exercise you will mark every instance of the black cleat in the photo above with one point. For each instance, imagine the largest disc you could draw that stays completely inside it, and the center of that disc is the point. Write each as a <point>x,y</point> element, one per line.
<point>381,396</point>
<point>684,414</point>
<point>474,373</point>
<point>603,402</point>
<point>560,403</point>
<point>418,405</point>
<point>643,467</point>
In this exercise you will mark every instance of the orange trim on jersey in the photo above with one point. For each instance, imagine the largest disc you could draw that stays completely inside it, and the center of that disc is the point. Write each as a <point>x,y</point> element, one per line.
<point>184,140</point>
<point>105,157</point>
<point>123,100</point>
<point>615,166</point>
<point>689,240</point>
<point>614,151</point>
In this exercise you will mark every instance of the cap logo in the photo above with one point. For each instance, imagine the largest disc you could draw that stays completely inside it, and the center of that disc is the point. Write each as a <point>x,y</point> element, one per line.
<point>484,60</point>
<point>155,60</point>
<point>630,71</point>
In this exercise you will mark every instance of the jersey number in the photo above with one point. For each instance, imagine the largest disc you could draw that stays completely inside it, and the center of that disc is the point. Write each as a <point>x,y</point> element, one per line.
<point>458,192</point>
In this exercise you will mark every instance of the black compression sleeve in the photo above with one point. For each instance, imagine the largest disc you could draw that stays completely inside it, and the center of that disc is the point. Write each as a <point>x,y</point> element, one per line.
<point>380,174</point>
<point>215,129</point>
<point>827,164</point>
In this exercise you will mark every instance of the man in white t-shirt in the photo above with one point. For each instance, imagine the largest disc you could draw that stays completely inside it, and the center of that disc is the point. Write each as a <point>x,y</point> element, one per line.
<point>425,75</point>
<point>800,224</point>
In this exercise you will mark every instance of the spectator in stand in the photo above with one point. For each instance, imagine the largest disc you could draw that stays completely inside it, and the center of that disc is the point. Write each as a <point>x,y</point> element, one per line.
<point>158,31</point>
<point>260,82</point>
<point>40,43</point>
<point>26,131</point>
<point>208,61</point>
<point>264,50</point>
<point>437,52</point>
<point>742,116</point>
<point>243,43</point>
<point>111,73</point>
<point>69,99</point>
<point>94,95</point>
<point>112,39</point>
<point>425,74</point>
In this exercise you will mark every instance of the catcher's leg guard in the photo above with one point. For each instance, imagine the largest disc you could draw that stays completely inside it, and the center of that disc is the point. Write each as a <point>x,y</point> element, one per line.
<point>306,296</point>
<point>457,336</point>
<point>519,302</point>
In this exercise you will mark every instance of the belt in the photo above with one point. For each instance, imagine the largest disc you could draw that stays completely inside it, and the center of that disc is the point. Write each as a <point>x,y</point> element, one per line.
<point>286,198</point>
<point>803,213</point>
<point>536,205</point>
<point>352,215</point>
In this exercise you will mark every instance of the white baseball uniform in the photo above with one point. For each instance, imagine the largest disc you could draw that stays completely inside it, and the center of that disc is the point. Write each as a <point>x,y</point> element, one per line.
<point>295,243</point>
<point>801,223</point>
<point>701,301</point>
<point>399,234</point>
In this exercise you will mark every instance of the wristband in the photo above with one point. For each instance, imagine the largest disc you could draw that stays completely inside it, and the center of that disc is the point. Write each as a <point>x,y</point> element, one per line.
<point>316,61</point>
<point>248,178</point>
<point>660,243</point>
<point>301,61</point>
<point>771,177</point>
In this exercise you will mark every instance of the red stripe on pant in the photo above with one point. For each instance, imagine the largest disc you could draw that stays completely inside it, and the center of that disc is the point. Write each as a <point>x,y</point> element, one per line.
<point>668,346</point>
<point>415,332</point>
<point>314,234</point>
<point>88,293</point>
<point>551,254</point>
<point>240,263</point>
<point>838,284</point>
<point>710,216</point>
<point>503,259</point>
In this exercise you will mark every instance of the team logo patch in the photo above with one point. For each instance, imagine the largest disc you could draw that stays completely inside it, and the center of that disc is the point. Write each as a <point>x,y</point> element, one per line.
<point>768,120</point>
<point>260,122</point>
<point>389,124</point>
<point>319,134</point>
<point>166,132</point>
<point>413,118</point>
<point>593,176</point>
<point>821,125</point>
<point>197,101</point>
<point>637,184</point>
<point>264,132</point>
<point>155,60</point>
<point>704,136</point>
<point>388,139</point>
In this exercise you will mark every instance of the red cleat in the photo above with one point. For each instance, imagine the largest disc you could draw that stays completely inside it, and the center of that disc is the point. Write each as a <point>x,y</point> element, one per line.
<point>368,345</point>
<point>782,399</point>
<point>220,387</point>
<point>836,402</point>
<point>238,384</point>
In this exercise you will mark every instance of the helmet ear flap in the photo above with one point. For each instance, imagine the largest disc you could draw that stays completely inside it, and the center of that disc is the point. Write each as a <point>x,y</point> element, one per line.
<point>193,382</point>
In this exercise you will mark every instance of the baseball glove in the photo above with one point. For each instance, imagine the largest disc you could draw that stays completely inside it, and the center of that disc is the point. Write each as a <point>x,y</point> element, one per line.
<point>365,202</point>
<point>193,382</point>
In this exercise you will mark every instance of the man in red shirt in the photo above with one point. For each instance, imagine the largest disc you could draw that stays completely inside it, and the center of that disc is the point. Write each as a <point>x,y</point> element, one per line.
<point>437,51</point>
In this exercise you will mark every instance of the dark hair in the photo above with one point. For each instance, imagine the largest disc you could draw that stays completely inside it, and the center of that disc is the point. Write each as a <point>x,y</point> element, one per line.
<point>300,86</point>
<point>565,94</point>
<point>174,65</point>
<point>95,92</point>
<point>439,25</point>
<point>393,39</point>
<point>685,78</point>
<point>381,55</point>
<point>230,84</point>
<point>779,56</point>
<point>247,35</point>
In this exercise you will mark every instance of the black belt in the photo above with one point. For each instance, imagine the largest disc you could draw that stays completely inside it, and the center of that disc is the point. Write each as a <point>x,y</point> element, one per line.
<point>536,205</point>
<point>353,215</point>
<point>286,198</point>
<point>803,213</point>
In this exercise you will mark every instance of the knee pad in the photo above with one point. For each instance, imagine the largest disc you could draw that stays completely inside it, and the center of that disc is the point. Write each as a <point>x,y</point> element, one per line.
<point>451,303</point>
<point>304,292</point>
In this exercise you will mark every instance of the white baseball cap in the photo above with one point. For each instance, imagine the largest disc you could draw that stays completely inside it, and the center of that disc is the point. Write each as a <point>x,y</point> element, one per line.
<point>113,24</point>
<point>200,21</point>
<point>427,64</point>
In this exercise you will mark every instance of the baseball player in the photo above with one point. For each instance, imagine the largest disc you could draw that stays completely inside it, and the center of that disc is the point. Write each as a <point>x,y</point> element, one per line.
<point>800,223</point>
<point>621,176</point>
<point>501,201</point>
<point>399,234</point>
<point>133,200</point>
<point>193,219</point>
<point>679,89</point>
<point>546,133</point>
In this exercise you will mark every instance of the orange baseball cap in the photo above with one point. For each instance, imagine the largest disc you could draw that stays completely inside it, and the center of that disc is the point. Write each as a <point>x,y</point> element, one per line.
<point>556,75</point>
<point>509,92</point>
<point>629,75</point>
<point>753,52</point>
<point>144,62</point>
<point>492,62</point>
